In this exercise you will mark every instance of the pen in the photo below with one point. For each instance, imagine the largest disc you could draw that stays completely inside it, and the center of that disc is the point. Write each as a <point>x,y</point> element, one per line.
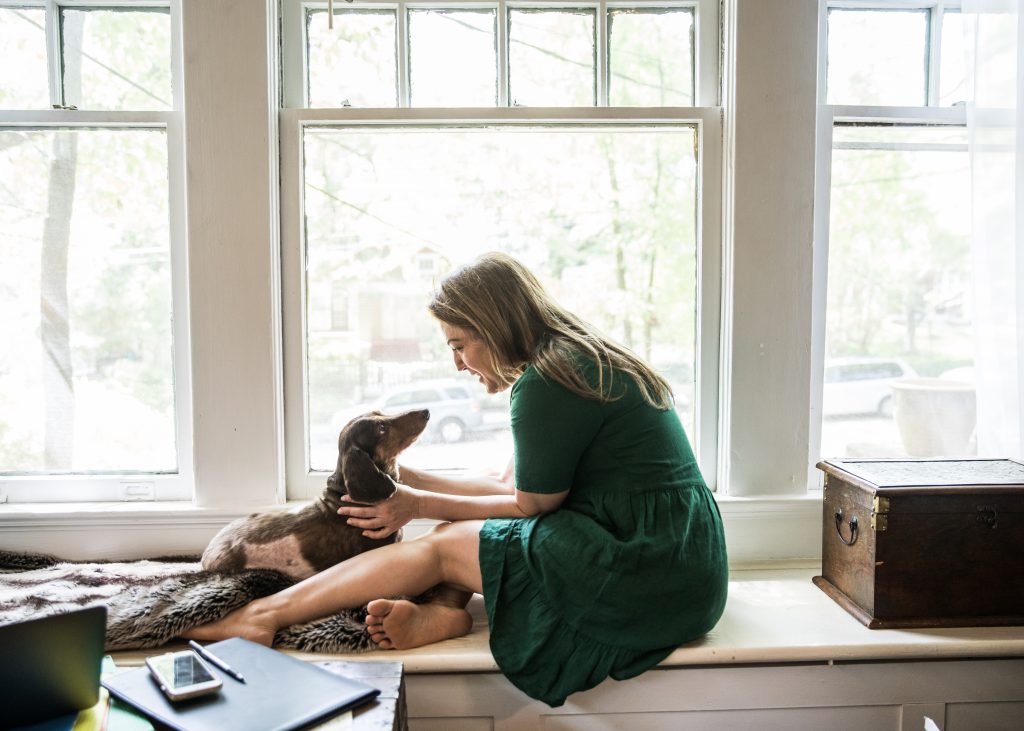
<point>207,655</point>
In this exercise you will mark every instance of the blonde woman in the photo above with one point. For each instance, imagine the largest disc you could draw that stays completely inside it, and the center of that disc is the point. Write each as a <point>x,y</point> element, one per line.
<point>599,555</point>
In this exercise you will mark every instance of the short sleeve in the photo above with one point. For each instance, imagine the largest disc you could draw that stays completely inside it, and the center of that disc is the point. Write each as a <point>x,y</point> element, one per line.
<point>552,427</point>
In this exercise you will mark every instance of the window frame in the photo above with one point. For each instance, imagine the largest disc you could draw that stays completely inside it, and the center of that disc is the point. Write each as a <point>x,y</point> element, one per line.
<point>304,483</point>
<point>301,481</point>
<point>936,9</point>
<point>828,117</point>
<point>707,84</point>
<point>115,486</point>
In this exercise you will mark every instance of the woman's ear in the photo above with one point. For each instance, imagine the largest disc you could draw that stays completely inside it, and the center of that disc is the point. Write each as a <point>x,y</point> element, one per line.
<point>364,482</point>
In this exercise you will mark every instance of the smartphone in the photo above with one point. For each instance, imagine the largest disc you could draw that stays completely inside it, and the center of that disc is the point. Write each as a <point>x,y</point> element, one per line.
<point>183,675</point>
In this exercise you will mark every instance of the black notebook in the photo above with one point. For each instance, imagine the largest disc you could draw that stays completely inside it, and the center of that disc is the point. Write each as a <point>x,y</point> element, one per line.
<point>280,692</point>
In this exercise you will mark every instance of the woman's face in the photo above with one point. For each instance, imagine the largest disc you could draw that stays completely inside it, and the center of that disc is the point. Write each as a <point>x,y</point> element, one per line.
<point>471,354</point>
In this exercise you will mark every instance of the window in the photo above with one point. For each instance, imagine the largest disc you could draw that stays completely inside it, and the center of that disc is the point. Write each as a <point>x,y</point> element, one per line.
<point>899,328</point>
<point>562,133</point>
<point>92,383</point>
<point>232,326</point>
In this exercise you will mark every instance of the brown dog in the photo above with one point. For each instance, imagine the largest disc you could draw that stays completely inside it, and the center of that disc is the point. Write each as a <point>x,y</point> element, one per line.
<point>304,542</point>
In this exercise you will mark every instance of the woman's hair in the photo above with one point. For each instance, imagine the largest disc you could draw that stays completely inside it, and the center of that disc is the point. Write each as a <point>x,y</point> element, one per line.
<point>500,301</point>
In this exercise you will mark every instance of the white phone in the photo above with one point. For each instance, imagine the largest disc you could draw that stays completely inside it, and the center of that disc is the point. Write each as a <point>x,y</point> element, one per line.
<point>183,675</point>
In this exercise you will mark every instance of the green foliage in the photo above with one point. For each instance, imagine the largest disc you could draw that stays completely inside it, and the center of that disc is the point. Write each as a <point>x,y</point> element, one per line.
<point>898,269</point>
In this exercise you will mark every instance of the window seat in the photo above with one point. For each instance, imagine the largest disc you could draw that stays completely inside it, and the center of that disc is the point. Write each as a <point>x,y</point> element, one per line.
<point>772,616</point>
<point>784,655</point>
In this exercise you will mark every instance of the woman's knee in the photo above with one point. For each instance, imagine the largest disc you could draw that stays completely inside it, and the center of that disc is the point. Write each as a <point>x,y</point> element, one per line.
<point>455,536</point>
<point>457,545</point>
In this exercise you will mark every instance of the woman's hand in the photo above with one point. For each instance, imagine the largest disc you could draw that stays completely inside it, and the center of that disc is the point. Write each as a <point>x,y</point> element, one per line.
<point>386,517</point>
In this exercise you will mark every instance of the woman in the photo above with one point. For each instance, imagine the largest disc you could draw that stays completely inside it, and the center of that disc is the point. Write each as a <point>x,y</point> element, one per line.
<point>601,556</point>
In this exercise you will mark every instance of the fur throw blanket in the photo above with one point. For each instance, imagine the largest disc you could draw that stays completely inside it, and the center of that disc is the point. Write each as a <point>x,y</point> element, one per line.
<point>151,602</point>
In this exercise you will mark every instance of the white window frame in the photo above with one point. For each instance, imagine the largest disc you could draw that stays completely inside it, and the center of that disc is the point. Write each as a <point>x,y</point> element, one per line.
<point>936,8</point>
<point>302,481</point>
<point>231,117</point>
<point>707,86</point>
<point>130,486</point>
<point>828,116</point>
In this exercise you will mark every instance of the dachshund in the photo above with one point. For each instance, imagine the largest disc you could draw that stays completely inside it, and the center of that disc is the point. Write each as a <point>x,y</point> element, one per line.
<point>304,542</point>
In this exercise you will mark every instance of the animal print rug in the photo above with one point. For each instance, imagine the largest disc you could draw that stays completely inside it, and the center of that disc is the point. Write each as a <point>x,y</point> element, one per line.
<point>151,602</point>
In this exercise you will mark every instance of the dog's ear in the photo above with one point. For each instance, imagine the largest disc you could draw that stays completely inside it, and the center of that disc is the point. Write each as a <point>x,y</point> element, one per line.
<point>365,483</point>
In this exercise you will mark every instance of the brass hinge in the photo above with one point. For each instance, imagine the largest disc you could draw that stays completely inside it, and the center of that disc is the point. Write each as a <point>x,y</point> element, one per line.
<point>879,513</point>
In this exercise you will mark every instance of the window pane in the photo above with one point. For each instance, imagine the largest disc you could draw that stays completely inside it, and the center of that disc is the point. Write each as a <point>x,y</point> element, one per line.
<point>117,59</point>
<point>899,353</point>
<point>86,382</point>
<point>388,212</point>
<point>452,58</point>
<point>952,69</point>
<point>23,82</point>
<point>651,57</point>
<point>552,58</point>
<point>354,63</point>
<point>877,57</point>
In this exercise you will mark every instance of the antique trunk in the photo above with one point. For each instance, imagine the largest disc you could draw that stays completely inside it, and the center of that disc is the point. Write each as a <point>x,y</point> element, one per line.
<point>924,543</point>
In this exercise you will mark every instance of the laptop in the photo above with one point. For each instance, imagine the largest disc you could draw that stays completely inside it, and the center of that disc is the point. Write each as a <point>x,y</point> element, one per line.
<point>50,668</point>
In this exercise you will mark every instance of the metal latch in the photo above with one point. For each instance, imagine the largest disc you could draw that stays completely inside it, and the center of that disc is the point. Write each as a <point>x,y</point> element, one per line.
<point>137,491</point>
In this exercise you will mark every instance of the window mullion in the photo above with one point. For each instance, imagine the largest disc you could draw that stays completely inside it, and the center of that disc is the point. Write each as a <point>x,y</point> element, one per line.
<point>53,54</point>
<point>934,54</point>
<point>601,50</point>
<point>502,47</point>
<point>404,71</point>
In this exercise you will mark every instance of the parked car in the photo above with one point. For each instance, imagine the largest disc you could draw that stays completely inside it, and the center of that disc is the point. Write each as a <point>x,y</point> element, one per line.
<point>862,385</point>
<point>456,408</point>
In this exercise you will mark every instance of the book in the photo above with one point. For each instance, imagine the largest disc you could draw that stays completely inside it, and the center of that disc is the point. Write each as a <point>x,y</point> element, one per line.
<point>94,718</point>
<point>121,716</point>
<point>280,693</point>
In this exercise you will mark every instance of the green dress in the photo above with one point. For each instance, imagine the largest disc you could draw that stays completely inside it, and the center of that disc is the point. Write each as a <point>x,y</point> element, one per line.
<point>630,566</point>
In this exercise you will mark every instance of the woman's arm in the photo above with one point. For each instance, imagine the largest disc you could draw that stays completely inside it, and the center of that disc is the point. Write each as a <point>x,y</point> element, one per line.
<point>383,519</point>
<point>456,485</point>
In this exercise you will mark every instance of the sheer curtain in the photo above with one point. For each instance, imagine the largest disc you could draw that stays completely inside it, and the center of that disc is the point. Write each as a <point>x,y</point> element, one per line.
<point>996,133</point>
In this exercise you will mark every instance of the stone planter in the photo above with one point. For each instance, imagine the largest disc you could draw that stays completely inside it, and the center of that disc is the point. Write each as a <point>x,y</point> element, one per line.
<point>935,417</point>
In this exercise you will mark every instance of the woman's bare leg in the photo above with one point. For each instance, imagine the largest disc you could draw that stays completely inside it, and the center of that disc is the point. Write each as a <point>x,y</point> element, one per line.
<point>446,556</point>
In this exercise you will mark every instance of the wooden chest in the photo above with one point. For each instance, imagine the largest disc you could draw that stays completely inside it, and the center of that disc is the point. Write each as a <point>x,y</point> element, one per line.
<point>924,543</point>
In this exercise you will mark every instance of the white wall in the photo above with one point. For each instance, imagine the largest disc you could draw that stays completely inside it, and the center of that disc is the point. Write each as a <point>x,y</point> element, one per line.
<point>231,177</point>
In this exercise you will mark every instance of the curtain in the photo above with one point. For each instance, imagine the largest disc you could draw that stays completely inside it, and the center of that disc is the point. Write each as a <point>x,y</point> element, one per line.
<point>993,31</point>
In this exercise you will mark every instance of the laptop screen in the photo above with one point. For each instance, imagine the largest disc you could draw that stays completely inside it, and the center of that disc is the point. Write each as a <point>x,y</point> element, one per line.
<point>51,666</point>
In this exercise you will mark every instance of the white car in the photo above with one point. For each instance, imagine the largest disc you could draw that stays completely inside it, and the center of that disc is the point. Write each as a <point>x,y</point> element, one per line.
<point>456,408</point>
<point>862,385</point>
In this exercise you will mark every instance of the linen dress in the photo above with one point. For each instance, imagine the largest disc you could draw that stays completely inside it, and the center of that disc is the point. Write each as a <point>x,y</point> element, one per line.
<point>631,565</point>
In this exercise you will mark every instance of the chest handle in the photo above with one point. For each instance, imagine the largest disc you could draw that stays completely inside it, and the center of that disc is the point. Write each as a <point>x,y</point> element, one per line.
<point>839,528</point>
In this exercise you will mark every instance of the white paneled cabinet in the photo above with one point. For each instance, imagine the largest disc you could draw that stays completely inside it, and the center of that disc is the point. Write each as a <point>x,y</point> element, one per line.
<point>957,695</point>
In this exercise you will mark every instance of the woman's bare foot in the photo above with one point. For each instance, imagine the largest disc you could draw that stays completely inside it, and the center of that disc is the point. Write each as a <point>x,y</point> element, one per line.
<point>397,624</point>
<point>248,622</point>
